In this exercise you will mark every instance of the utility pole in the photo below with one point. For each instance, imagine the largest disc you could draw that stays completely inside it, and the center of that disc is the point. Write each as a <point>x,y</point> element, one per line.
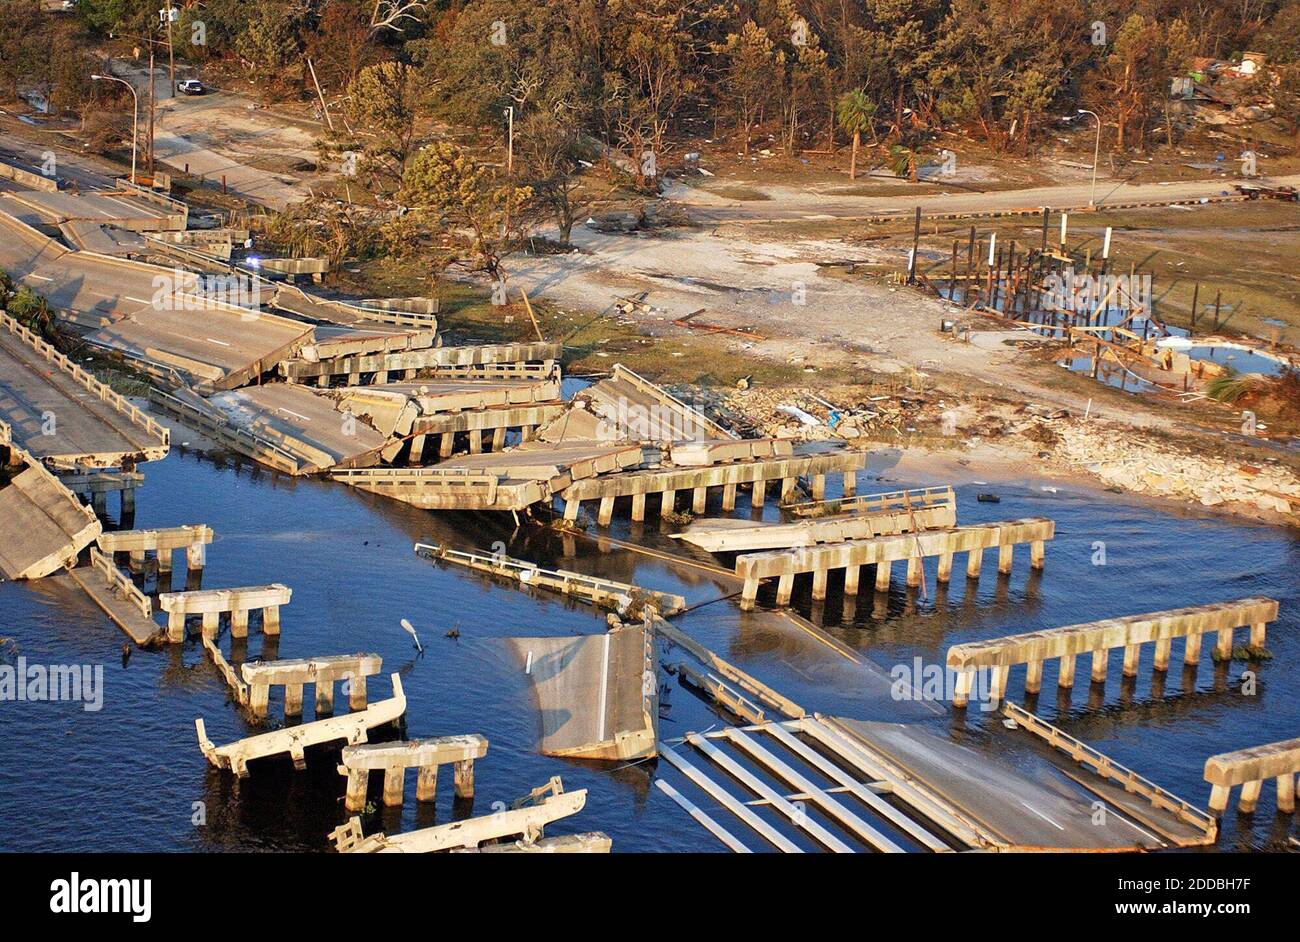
<point>152,95</point>
<point>1096,156</point>
<point>510,139</point>
<point>171,56</point>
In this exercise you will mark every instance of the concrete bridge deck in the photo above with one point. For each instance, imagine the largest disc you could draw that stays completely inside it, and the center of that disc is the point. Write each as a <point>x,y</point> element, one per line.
<point>117,297</point>
<point>309,426</point>
<point>42,524</point>
<point>725,535</point>
<point>63,415</point>
<point>120,208</point>
<point>487,360</point>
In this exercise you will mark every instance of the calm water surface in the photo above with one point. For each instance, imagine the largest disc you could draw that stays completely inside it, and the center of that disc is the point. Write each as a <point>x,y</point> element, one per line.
<point>128,777</point>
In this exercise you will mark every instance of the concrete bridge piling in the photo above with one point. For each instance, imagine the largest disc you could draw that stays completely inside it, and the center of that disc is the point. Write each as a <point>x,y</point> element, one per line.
<point>1249,768</point>
<point>883,551</point>
<point>213,603</point>
<point>1100,637</point>
<point>352,728</point>
<point>321,672</point>
<point>668,482</point>
<point>138,543</point>
<point>393,759</point>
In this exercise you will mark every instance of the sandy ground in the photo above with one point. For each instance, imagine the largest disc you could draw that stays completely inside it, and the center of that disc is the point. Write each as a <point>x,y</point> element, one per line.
<point>220,135</point>
<point>807,315</point>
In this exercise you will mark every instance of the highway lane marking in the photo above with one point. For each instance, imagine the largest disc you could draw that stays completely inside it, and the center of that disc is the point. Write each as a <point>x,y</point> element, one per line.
<point>1041,815</point>
<point>41,277</point>
<point>1140,830</point>
<point>214,340</point>
<point>297,415</point>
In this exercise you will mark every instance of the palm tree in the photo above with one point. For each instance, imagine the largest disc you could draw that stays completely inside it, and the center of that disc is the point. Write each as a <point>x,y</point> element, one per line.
<point>854,112</point>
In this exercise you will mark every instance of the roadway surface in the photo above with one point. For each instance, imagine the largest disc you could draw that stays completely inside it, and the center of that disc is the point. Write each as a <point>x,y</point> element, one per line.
<point>789,204</point>
<point>206,341</point>
<point>58,419</point>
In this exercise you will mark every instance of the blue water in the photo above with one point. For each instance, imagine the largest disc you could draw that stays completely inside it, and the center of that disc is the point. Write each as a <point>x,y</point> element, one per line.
<point>128,777</point>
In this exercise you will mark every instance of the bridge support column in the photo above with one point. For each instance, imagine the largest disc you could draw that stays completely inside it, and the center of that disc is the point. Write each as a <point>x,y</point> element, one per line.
<point>974,560</point>
<point>1037,550</point>
<point>667,502</point>
<point>239,623</point>
<point>945,568</point>
<point>324,697</point>
<point>784,587</point>
<point>571,508</point>
<point>1100,661</point>
<point>819,584</point>
<point>638,507</point>
<point>1249,796</point>
<point>417,451</point>
<point>463,775</point>
<point>355,799</point>
<point>606,512</point>
<point>850,483</point>
<point>882,576</point>
<point>1223,645</point>
<point>961,692</point>
<point>748,594</point>
<point>1219,795</point>
<point>1034,677</point>
<point>394,781</point>
<point>1286,793</point>
<point>851,576</point>
<point>1131,654</point>
<point>498,438</point>
<point>356,693</point>
<point>758,496</point>
<point>787,489</point>
<point>1065,676</point>
<point>426,783</point>
<point>699,499</point>
<point>1257,635</point>
<point>1162,654</point>
<point>293,699</point>
<point>914,571</point>
<point>1192,649</point>
<point>1006,556</point>
<point>271,620</point>
<point>819,487</point>
<point>728,497</point>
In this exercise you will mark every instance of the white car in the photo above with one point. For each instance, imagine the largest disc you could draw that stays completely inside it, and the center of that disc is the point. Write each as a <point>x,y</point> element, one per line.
<point>191,87</point>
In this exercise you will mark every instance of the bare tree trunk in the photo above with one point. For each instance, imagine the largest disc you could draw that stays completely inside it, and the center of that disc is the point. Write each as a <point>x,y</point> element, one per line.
<point>853,160</point>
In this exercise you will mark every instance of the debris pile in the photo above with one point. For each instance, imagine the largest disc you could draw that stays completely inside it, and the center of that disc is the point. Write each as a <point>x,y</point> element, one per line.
<point>1146,467</point>
<point>804,415</point>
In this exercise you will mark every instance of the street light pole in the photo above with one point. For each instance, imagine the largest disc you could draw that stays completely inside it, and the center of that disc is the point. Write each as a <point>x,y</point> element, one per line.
<point>135,124</point>
<point>1096,155</point>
